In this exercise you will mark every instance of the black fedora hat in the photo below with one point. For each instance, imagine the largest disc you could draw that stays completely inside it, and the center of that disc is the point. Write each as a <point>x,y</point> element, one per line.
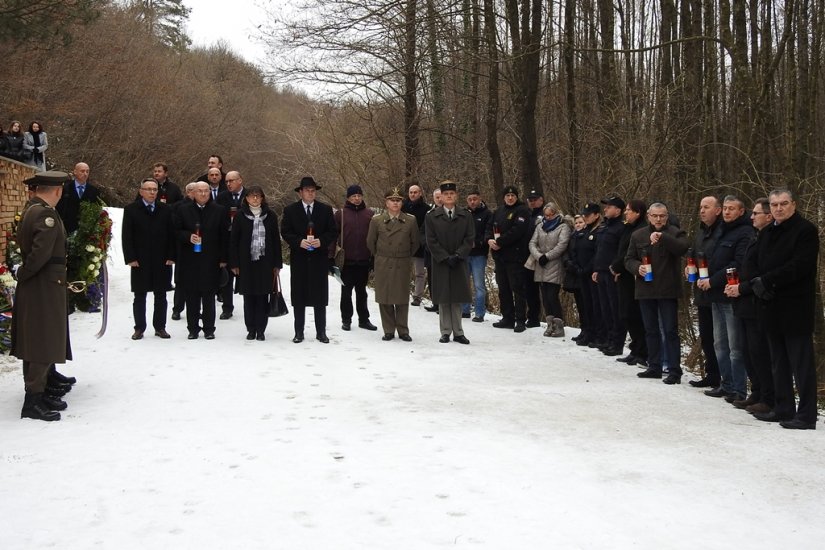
<point>307,181</point>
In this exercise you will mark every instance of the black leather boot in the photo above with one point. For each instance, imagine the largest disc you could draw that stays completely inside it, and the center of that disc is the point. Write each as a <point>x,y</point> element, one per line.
<point>33,407</point>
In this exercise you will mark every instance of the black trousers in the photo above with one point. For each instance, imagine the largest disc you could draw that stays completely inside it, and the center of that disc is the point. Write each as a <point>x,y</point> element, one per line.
<point>609,305</point>
<point>178,300</point>
<point>792,357</point>
<point>550,299</point>
<point>759,363</point>
<point>631,315</point>
<point>227,293</point>
<point>705,316</point>
<point>158,314</point>
<point>320,319</point>
<point>256,312</point>
<point>195,300</point>
<point>532,296</point>
<point>510,281</point>
<point>590,293</point>
<point>355,278</point>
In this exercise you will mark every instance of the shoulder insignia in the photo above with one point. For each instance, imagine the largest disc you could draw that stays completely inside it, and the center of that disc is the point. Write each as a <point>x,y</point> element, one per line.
<point>49,222</point>
<point>510,216</point>
<point>521,219</point>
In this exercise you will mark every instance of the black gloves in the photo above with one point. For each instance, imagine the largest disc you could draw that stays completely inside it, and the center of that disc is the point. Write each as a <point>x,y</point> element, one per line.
<point>543,260</point>
<point>760,290</point>
<point>453,260</point>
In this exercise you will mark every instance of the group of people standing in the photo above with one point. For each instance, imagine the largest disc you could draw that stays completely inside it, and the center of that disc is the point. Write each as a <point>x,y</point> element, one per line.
<point>25,146</point>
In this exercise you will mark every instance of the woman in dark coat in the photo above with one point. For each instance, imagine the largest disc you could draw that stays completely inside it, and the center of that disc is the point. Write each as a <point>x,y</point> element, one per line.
<point>255,258</point>
<point>14,141</point>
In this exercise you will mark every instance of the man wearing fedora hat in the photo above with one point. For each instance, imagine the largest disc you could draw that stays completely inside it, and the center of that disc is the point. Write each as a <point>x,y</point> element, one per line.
<point>308,227</point>
<point>40,332</point>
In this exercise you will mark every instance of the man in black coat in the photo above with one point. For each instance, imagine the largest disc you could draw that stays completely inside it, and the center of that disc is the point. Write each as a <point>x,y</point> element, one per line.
<point>309,229</point>
<point>415,205</point>
<point>201,229</point>
<point>607,245</point>
<point>179,298</point>
<point>214,161</point>
<point>231,200</point>
<point>149,249</point>
<point>168,191</point>
<point>74,192</point>
<point>785,265</point>
<point>477,260</point>
<point>593,332</point>
<point>508,236</point>
<point>532,288</point>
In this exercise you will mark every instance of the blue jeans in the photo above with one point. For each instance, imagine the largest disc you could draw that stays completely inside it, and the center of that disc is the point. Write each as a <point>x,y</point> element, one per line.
<point>664,310</point>
<point>727,343</point>
<point>477,266</point>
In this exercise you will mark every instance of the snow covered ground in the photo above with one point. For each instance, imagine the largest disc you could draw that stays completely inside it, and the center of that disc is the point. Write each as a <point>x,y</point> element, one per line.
<point>514,442</point>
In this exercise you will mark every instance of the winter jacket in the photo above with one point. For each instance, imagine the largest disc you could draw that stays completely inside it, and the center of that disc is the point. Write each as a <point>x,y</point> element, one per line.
<point>607,243</point>
<point>552,245</point>
<point>418,209</point>
<point>665,259</point>
<point>703,243</point>
<point>481,217</point>
<point>356,221</point>
<point>729,251</point>
<point>515,228</point>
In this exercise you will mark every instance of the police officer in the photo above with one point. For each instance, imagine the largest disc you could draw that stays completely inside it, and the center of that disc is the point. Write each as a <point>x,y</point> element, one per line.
<point>39,324</point>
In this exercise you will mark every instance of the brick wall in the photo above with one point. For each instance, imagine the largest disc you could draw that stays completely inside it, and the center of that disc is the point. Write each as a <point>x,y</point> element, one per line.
<point>12,195</point>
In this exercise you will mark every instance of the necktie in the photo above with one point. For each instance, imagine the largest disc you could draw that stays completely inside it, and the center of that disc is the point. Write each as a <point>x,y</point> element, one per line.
<point>450,214</point>
<point>214,194</point>
<point>309,212</point>
<point>151,207</point>
<point>80,190</point>
<point>235,195</point>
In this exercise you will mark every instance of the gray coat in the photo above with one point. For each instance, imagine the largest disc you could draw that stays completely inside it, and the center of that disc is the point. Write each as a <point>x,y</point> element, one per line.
<point>447,237</point>
<point>39,161</point>
<point>39,325</point>
<point>553,245</point>
<point>393,245</point>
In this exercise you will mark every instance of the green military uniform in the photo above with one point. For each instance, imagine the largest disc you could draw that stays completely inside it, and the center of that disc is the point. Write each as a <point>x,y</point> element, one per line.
<point>39,323</point>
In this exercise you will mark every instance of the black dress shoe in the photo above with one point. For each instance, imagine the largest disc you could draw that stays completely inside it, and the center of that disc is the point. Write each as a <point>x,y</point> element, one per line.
<point>176,316</point>
<point>627,359</point>
<point>250,335</point>
<point>226,315</point>
<point>797,424</point>
<point>519,327</point>
<point>192,336</point>
<point>650,373</point>
<point>705,382</point>
<point>532,324</point>
<point>465,315</point>
<point>54,403</point>
<point>461,339</point>
<point>478,319</point>
<point>612,352</point>
<point>432,309</point>
<point>322,338</point>
<point>366,325</point>
<point>416,302</point>
<point>445,338</point>
<point>405,337</point>
<point>260,337</point>
<point>298,338</point>
<point>641,362</point>
<point>771,417</point>
<point>716,392</point>
<point>388,336</point>
<point>346,325</point>
<point>161,333</point>
<point>137,335</point>
<point>504,324</point>
<point>673,378</point>
<point>209,335</point>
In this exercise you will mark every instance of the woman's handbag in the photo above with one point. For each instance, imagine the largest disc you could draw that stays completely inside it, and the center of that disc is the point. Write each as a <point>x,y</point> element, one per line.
<point>277,305</point>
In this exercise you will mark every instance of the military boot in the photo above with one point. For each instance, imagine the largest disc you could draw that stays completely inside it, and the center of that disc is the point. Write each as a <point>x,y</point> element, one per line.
<point>54,403</point>
<point>33,407</point>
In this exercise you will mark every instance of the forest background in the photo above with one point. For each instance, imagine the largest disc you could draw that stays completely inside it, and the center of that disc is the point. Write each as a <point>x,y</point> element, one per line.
<point>665,100</point>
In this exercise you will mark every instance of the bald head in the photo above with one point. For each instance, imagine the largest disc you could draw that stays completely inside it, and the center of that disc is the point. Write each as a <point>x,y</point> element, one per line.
<point>81,172</point>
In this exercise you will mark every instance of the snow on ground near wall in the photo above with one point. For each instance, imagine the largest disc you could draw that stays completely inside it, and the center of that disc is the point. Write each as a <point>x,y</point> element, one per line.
<point>515,442</point>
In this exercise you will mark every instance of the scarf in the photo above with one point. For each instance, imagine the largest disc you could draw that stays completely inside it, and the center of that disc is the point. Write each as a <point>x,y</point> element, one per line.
<point>257,246</point>
<point>549,225</point>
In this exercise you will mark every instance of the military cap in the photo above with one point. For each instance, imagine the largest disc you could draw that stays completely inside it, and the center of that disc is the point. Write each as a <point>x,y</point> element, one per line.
<point>534,194</point>
<point>307,181</point>
<point>591,208</point>
<point>51,178</point>
<point>510,189</point>
<point>614,201</point>
<point>447,186</point>
<point>393,193</point>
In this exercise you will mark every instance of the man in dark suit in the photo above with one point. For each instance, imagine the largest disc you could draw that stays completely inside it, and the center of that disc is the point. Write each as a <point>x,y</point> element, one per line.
<point>149,249</point>
<point>231,200</point>
<point>309,229</point>
<point>179,298</point>
<point>168,191</point>
<point>215,161</point>
<point>201,229</point>
<point>75,191</point>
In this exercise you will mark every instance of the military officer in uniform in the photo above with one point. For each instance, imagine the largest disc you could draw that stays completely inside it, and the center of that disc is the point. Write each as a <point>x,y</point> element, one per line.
<point>393,240</point>
<point>40,335</point>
